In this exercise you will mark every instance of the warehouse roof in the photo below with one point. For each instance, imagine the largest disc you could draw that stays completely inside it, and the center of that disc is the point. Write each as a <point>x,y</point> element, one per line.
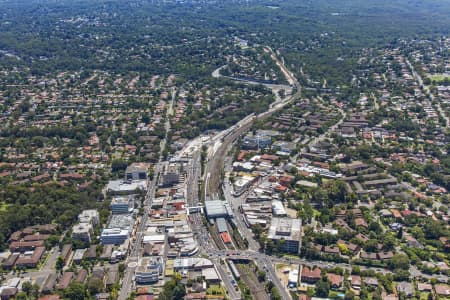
<point>215,208</point>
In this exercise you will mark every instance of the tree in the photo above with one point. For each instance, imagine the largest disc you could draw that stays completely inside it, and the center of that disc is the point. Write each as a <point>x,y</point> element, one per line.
<point>179,292</point>
<point>21,296</point>
<point>95,286</point>
<point>114,293</point>
<point>275,294</point>
<point>371,245</point>
<point>27,287</point>
<point>349,295</point>
<point>322,288</point>
<point>121,268</point>
<point>118,165</point>
<point>75,291</point>
<point>399,261</point>
<point>388,242</point>
<point>400,233</point>
<point>269,285</point>
<point>261,276</point>
<point>343,248</point>
<point>172,290</point>
<point>60,263</point>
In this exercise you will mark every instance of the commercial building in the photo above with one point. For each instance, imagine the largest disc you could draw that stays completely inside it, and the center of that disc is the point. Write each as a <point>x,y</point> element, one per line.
<point>121,187</point>
<point>258,141</point>
<point>241,184</point>
<point>137,171</point>
<point>278,208</point>
<point>122,204</point>
<point>172,175</point>
<point>89,216</point>
<point>114,236</point>
<point>122,221</point>
<point>82,232</point>
<point>293,276</point>
<point>286,230</point>
<point>192,264</point>
<point>284,146</point>
<point>149,269</point>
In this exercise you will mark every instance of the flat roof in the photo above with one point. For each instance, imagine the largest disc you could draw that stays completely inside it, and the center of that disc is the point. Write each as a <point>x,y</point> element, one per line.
<point>225,237</point>
<point>210,274</point>
<point>285,228</point>
<point>137,167</point>
<point>79,254</point>
<point>154,238</point>
<point>215,208</point>
<point>192,262</point>
<point>120,200</point>
<point>122,186</point>
<point>221,225</point>
<point>122,221</point>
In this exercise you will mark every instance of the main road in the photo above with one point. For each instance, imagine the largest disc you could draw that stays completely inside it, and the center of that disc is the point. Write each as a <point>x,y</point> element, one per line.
<point>135,245</point>
<point>427,91</point>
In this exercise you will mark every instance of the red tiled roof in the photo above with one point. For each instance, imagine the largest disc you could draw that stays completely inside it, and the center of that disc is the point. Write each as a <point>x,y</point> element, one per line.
<point>315,273</point>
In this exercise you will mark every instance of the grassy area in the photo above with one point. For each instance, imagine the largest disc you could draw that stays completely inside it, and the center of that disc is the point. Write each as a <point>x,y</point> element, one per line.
<point>3,206</point>
<point>335,295</point>
<point>280,266</point>
<point>290,256</point>
<point>216,290</point>
<point>438,77</point>
<point>424,296</point>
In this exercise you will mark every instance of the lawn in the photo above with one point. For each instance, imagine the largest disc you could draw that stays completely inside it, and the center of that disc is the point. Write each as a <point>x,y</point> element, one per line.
<point>424,296</point>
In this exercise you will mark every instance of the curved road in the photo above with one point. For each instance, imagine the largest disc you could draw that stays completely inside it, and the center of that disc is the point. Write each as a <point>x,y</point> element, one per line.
<point>223,140</point>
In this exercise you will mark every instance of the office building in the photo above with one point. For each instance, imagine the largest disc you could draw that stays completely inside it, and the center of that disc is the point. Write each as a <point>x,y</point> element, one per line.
<point>114,236</point>
<point>137,171</point>
<point>122,205</point>
<point>288,230</point>
<point>148,270</point>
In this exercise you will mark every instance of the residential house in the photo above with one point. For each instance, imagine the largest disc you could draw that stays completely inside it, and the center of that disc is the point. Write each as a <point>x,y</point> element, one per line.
<point>335,280</point>
<point>311,276</point>
<point>405,287</point>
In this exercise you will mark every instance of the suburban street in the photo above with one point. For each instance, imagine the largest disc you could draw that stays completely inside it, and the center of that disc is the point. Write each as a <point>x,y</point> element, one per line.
<point>428,92</point>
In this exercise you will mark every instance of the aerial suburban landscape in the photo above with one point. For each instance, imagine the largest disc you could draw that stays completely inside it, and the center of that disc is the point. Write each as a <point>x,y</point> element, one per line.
<point>242,149</point>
